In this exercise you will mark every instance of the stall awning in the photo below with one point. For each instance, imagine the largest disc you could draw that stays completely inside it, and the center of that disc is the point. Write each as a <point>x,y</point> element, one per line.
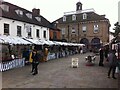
<point>13,40</point>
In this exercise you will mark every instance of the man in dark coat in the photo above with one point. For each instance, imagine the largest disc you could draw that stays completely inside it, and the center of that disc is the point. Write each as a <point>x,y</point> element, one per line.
<point>112,63</point>
<point>35,58</point>
<point>101,57</point>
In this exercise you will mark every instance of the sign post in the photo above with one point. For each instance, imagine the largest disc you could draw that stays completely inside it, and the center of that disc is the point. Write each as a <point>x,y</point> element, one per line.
<point>74,62</point>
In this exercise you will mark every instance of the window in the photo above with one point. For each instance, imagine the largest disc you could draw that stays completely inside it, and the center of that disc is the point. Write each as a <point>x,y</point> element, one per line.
<point>84,28</point>
<point>44,33</point>
<point>19,12</point>
<point>6,29</point>
<point>29,15</point>
<point>38,19</point>
<point>84,16</point>
<point>37,33</point>
<point>73,17</point>
<point>96,29</point>
<point>54,35</point>
<point>5,7</point>
<point>63,31</point>
<point>73,31</point>
<point>64,18</point>
<point>18,30</point>
<point>30,32</point>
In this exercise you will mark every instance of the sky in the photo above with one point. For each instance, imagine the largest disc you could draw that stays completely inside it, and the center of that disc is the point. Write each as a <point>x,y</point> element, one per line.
<point>54,9</point>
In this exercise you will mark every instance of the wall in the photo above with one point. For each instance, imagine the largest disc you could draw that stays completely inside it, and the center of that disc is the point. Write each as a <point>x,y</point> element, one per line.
<point>103,33</point>
<point>13,28</point>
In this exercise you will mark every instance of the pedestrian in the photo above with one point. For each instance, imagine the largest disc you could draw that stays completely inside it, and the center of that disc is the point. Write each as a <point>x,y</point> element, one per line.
<point>112,63</point>
<point>106,52</point>
<point>101,57</point>
<point>35,62</point>
<point>45,54</point>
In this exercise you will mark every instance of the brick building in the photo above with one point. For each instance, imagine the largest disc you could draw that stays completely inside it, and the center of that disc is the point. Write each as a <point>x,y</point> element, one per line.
<point>84,26</point>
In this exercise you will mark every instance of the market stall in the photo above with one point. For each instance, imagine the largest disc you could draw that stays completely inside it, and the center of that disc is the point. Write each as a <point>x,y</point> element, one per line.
<point>11,52</point>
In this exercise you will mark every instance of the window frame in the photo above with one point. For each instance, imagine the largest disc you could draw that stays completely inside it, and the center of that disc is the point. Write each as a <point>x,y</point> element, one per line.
<point>64,18</point>
<point>73,30</point>
<point>73,17</point>
<point>84,16</point>
<point>37,33</point>
<point>19,27</point>
<point>96,28</point>
<point>44,34</point>
<point>63,31</point>
<point>6,29</point>
<point>84,28</point>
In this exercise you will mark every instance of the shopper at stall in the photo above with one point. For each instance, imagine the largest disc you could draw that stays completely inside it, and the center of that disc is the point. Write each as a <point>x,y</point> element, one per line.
<point>112,63</point>
<point>35,62</point>
<point>101,56</point>
<point>45,54</point>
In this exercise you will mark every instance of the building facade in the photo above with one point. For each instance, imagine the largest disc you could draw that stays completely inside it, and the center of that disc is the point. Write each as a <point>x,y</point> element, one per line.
<point>84,26</point>
<point>16,21</point>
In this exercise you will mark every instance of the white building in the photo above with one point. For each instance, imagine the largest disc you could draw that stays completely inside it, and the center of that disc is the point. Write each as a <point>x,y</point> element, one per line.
<point>16,21</point>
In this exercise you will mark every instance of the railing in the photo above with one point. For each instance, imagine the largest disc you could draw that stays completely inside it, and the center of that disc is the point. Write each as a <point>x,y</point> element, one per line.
<point>4,66</point>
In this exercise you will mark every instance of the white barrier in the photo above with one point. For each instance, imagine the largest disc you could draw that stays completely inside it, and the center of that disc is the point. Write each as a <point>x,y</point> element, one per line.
<point>4,66</point>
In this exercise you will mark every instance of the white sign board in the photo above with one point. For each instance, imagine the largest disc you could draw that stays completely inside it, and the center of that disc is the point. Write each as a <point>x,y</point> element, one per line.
<point>74,62</point>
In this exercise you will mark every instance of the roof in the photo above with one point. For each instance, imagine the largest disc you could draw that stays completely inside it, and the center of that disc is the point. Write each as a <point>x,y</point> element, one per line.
<point>13,15</point>
<point>91,16</point>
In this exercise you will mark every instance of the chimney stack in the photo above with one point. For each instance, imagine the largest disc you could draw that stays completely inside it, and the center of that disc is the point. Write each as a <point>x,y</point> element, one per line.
<point>36,12</point>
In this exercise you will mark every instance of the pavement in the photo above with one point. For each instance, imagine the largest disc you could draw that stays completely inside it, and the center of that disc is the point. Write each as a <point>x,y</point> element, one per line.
<point>58,73</point>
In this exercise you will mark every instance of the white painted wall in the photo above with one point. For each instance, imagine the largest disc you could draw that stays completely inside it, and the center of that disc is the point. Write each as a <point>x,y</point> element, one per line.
<point>119,12</point>
<point>13,28</point>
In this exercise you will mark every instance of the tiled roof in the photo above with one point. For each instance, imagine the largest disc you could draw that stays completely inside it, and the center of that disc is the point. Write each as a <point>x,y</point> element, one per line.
<point>13,15</point>
<point>91,16</point>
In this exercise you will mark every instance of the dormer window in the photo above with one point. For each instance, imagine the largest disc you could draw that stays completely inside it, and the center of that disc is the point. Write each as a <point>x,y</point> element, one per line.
<point>73,17</point>
<point>19,12</point>
<point>64,18</point>
<point>5,7</point>
<point>29,15</point>
<point>84,16</point>
<point>38,19</point>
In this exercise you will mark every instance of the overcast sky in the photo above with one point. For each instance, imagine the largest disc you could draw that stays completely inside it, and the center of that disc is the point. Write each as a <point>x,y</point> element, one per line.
<point>54,9</point>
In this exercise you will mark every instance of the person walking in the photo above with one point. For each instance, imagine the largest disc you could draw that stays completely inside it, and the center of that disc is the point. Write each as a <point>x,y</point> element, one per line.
<point>35,62</point>
<point>101,57</point>
<point>112,63</point>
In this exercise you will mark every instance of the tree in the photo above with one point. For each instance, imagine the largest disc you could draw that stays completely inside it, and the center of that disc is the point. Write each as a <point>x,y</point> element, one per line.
<point>116,34</point>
